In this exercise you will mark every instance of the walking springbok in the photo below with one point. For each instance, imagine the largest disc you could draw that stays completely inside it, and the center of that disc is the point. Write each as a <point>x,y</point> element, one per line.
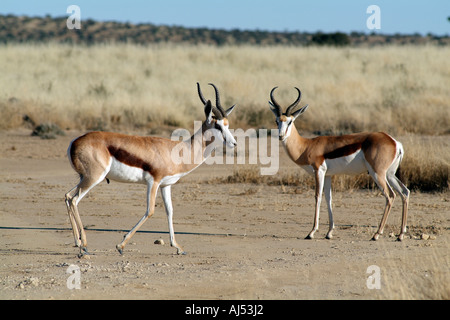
<point>374,152</point>
<point>96,156</point>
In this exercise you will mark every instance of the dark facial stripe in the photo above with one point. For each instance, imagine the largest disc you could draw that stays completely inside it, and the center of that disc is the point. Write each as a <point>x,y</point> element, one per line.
<point>343,151</point>
<point>129,159</point>
<point>216,126</point>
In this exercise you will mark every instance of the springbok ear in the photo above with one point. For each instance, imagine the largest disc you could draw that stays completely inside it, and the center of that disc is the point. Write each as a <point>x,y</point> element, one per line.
<point>208,111</point>
<point>299,111</point>
<point>229,110</point>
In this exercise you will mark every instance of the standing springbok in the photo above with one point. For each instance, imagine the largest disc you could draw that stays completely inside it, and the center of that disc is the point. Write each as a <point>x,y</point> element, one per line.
<point>96,156</point>
<point>374,152</point>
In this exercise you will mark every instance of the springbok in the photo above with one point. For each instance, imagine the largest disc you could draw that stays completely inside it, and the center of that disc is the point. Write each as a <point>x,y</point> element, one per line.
<point>96,156</point>
<point>374,152</point>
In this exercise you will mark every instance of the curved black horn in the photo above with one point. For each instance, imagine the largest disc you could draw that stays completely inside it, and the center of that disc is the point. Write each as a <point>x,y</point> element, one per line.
<point>200,94</point>
<point>275,103</point>
<point>292,106</point>
<point>218,104</point>
<point>217,113</point>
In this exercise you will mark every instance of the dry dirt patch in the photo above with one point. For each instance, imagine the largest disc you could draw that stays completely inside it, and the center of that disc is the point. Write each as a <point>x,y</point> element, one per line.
<point>244,241</point>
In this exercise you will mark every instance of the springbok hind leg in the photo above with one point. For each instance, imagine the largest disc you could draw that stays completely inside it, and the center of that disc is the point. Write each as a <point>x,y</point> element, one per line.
<point>382,183</point>
<point>403,191</point>
<point>75,220</point>
<point>73,197</point>
<point>70,210</point>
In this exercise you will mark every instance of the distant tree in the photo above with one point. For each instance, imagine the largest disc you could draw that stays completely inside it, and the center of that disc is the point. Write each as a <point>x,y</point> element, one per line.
<point>331,39</point>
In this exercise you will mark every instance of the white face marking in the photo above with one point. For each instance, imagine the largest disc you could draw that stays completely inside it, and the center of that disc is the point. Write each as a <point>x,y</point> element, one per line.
<point>226,134</point>
<point>284,127</point>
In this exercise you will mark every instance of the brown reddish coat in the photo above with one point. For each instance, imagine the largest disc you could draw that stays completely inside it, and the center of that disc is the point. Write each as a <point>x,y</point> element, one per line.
<point>378,147</point>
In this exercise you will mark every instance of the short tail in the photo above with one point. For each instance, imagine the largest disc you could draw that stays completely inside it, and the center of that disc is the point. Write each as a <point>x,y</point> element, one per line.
<point>400,155</point>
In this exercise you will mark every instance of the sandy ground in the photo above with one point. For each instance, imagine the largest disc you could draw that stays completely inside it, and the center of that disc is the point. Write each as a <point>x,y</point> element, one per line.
<point>243,241</point>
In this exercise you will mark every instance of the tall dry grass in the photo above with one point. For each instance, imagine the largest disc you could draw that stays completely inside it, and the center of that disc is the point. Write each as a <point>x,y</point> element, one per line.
<point>397,89</point>
<point>402,90</point>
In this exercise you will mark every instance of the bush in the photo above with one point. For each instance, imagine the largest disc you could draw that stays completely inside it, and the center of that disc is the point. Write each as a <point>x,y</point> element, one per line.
<point>337,39</point>
<point>47,131</point>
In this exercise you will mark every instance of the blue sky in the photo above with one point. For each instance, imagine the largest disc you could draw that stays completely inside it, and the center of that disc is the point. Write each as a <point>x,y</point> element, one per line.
<point>397,16</point>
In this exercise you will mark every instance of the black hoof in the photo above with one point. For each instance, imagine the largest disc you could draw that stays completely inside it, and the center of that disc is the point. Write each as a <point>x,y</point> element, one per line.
<point>83,252</point>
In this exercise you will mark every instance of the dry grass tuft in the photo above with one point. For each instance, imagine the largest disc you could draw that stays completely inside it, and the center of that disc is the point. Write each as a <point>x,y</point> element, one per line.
<point>426,166</point>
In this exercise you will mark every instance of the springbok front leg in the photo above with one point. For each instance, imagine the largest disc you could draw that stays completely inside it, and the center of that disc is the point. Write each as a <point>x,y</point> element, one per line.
<point>167,197</point>
<point>152,189</point>
<point>328,198</point>
<point>319,175</point>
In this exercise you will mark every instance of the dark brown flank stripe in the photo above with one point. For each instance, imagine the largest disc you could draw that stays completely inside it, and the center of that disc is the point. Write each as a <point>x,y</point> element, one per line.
<point>343,151</point>
<point>128,159</point>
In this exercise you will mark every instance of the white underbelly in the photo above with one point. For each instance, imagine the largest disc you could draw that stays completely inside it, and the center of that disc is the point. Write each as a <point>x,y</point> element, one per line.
<point>354,163</point>
<point>124,173</point>
<point>169,180</point>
